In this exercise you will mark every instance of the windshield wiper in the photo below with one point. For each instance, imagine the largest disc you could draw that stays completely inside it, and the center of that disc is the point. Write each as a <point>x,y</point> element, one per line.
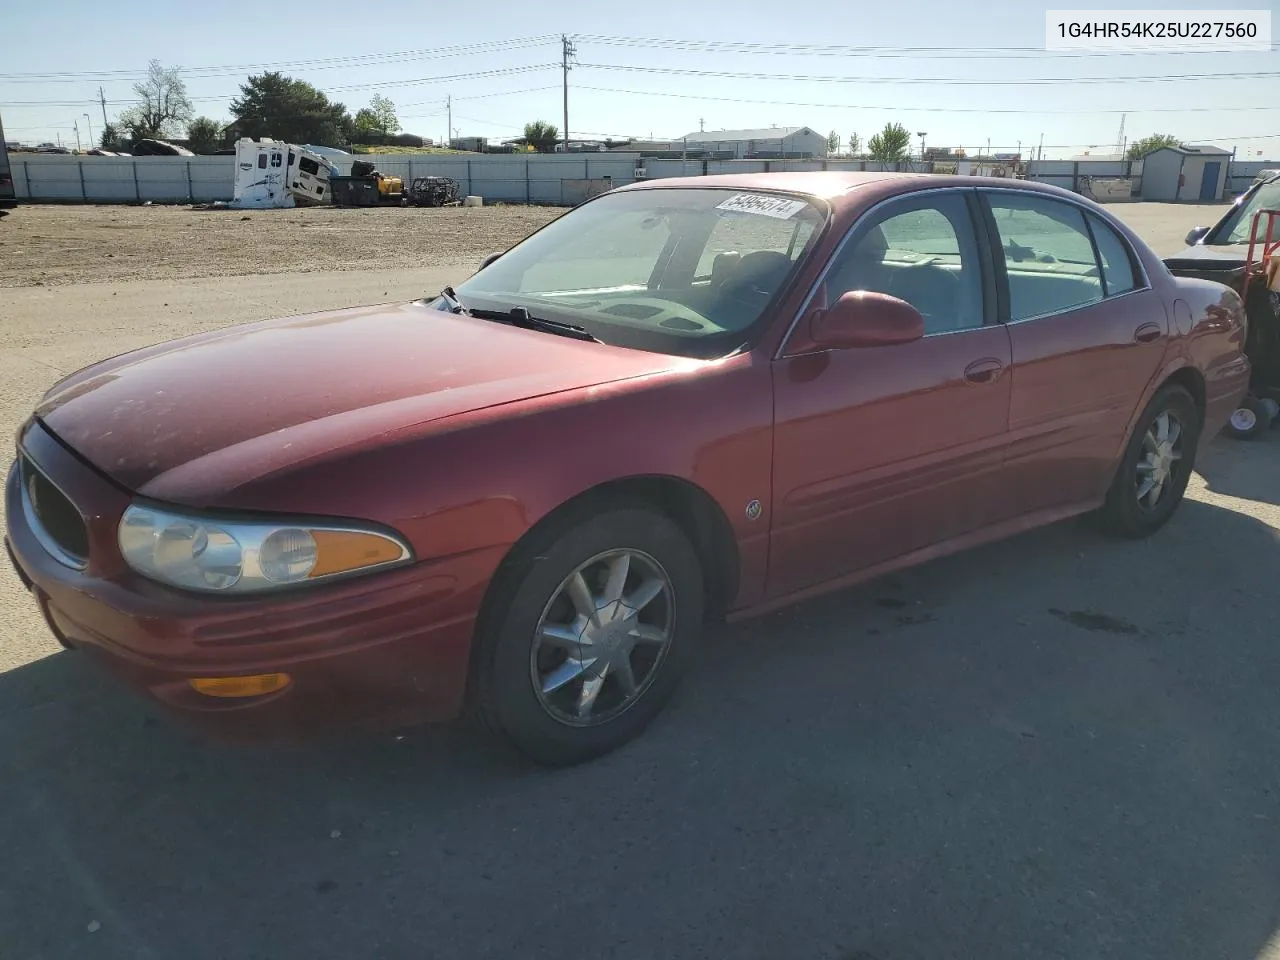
<point>520,317</point>
<point>455,305</point>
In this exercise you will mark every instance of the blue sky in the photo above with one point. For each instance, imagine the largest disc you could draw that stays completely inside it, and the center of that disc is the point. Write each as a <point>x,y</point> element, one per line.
<point>982,59</point>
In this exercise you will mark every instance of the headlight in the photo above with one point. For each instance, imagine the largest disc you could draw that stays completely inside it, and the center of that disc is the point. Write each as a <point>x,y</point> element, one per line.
<point>233,556</point>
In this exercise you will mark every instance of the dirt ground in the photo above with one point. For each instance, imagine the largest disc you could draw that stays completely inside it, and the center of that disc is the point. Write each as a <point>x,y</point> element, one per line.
<point>48,245</point>
<point>52,245</point>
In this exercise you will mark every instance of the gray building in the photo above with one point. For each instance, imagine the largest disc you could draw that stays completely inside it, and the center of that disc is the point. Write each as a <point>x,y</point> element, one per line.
<point>770,142</point>
<point>1185,173</point>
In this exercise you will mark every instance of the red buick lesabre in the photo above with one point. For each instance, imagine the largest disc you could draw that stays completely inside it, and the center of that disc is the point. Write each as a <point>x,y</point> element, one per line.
<point>682,399</point>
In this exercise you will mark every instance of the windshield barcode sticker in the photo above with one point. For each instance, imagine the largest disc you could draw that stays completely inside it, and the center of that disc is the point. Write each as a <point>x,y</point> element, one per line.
<point>765,206</point>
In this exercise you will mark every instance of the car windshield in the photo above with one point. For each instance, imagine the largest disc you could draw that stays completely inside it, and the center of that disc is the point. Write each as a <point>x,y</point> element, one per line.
<point>1238,223</point>
<point>674,270</point>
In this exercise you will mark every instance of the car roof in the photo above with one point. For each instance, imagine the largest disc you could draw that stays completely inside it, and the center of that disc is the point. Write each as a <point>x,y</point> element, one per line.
<point>841,187</point>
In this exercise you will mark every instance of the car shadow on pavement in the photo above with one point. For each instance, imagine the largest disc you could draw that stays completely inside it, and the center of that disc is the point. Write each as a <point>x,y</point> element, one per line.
<point>1060,745</point>
<point>1248,469</point>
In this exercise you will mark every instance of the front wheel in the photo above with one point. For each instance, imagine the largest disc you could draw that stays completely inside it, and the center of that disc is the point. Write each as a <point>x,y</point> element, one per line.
<point>589,630</point>
<point>1157,463</point>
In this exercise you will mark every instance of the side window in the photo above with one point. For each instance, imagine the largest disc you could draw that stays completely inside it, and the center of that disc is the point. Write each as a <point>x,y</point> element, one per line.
<point>1047,253</point>
<point>262,161</point>
<point>307,165</point>
<point>1117,268</point>
<point>922,251</point>
<point>277,159</point>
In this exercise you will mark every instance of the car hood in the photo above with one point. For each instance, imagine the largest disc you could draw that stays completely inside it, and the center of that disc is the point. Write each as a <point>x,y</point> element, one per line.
<point>265,395</point>
<point>1203,257</point>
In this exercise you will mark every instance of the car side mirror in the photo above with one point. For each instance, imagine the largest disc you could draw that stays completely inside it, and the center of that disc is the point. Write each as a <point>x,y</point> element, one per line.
<point>1196,235</point>
<point>861,318</point>
<point>488,260</point>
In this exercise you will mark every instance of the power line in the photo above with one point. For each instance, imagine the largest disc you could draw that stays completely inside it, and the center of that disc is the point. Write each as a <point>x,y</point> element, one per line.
<point>878,52</point>
<point>414,81</point>
<point>328,63</point>
<point>896,109</point>
<point>954,81</point>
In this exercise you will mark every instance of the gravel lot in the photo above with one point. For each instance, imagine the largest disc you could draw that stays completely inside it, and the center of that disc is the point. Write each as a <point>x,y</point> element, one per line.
<point>54,245</point>
<point>1056,746</point>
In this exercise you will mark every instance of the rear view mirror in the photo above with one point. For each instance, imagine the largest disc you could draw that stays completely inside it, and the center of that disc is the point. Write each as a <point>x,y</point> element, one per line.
<point>1196,235</point>
<point>488,260</point>
<point>862,318</point>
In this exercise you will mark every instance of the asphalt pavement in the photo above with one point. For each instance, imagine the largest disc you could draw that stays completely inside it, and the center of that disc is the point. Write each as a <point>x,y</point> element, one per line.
<point>1056,746</point>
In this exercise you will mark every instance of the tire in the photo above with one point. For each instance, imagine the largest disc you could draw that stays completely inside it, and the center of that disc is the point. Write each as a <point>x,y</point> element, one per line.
<point>534,596</point>
<point>1250,420</point>
<point>1127,511</point>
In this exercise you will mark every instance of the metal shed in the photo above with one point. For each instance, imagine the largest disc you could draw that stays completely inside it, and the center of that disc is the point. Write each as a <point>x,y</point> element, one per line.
<point>1185,173</point>
<point>769,142</point>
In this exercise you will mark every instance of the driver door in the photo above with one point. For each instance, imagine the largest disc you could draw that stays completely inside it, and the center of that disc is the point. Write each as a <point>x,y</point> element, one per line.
<point>880,451</point>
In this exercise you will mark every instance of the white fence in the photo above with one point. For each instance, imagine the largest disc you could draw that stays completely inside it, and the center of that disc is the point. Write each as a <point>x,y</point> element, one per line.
<point>512,178</point>
<point>530,178</point>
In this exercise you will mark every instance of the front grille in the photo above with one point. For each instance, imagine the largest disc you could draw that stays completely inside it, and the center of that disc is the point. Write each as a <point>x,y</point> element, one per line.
<point>53,518</point>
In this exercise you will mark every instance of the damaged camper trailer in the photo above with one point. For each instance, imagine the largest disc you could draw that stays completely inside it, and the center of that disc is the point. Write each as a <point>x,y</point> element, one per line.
<point>274,174</point>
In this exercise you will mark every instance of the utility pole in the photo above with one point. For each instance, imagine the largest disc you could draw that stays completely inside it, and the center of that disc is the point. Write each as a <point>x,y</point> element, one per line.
<point>921,134</point>
<point>702,126</point>
<point>102,99</point>
<point>76,127</point>
<point>1040,150</point>
<point>89,123</point>
<point>567,51</point>
<point>449,106</point>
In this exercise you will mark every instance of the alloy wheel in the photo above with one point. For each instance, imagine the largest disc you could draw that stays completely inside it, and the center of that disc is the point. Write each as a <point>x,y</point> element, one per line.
<point>1159,460</point>
<point>602,637</point>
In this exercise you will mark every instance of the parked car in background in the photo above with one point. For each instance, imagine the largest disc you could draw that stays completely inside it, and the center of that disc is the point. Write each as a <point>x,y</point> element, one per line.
<point>683,399</point>
<point>160,148</point>
<point>1220,253</point>
<point>8,194</point>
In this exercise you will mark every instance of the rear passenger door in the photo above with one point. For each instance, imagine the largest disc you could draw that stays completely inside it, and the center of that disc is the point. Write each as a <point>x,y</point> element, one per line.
<point>1087,335</point>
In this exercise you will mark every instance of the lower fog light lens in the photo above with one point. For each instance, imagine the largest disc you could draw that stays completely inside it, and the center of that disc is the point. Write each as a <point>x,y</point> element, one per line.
<point>252,686</point>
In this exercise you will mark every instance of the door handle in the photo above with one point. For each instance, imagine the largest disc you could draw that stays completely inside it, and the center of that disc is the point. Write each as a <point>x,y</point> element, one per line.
<point>987,370</point>
<point>1148,332</point>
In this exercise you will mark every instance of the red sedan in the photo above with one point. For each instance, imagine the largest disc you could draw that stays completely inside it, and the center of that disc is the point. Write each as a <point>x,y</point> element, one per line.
<point>683,399</point>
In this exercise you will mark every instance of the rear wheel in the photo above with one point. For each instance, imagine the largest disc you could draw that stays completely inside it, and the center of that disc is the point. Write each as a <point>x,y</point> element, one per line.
<point>588,633</point>
<point>1152,476</point>
<point>1250,420</point>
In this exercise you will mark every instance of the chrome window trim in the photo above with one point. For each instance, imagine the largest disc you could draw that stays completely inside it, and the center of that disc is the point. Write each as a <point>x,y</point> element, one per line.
<point>1082,306</point>
<point>835,255</point>
<point>979,189</point>
<point>52,547</point>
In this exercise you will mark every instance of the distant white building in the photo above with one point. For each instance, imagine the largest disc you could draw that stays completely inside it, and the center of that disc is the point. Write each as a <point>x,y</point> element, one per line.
<point>766,143</point>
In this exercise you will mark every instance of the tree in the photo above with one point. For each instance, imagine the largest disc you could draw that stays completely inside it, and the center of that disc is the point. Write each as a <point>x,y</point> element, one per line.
<point>855,144</point>
<point>542,136</point>
<point>380,116</point>
<point>112,139</point>
<point>1140,148</point>
<point>163,108</point>
<point>891,143</point>
<point>833,142</point>
<point>204,135</point>
<point>273,105</point>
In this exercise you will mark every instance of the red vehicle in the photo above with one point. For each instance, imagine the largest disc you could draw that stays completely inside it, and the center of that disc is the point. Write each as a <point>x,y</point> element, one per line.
<point>682,399</point>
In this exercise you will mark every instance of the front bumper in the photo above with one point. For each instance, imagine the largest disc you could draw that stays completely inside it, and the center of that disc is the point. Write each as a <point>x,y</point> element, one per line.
<point>383,650</point>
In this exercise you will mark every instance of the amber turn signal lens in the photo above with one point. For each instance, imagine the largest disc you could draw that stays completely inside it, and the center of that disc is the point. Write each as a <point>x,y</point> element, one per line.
<point>338,551</point>
<point>252,686</point>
